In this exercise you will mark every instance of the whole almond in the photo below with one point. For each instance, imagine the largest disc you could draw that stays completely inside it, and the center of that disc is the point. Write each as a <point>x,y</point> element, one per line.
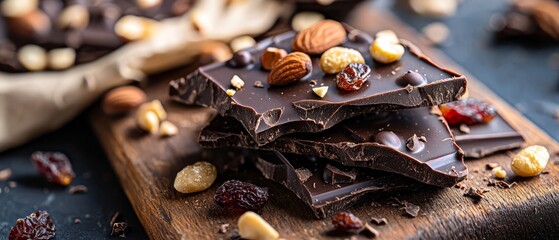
<point>271,56</point>
<point>289,69</point>
<point>123,99</point>
<point>320,37</point>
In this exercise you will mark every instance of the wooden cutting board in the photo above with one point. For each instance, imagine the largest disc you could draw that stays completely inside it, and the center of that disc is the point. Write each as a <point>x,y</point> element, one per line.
<point>146,166</point>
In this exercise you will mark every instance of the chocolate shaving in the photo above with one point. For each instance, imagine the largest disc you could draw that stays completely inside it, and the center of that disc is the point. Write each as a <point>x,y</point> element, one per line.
<point>303,174</point>
<point>464,128</point>
<point>258,84</point>
<point>411,209</point>
<point>77,189</point>
<point>333,175</point>
<point>379,221</point>
<point>370,231</point>
<point>500,184</point>
<point>5,174</point>
<point>474,193</point>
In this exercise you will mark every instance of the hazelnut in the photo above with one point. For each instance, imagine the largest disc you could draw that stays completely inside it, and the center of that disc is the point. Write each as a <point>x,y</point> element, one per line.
<point>237,82</point>
<point>61,58</point>
<point>132,28</point>
<point>320,91</point>
<point>75,16</point>
<point>148,4</point>
<point>230,92</point>
<point>385,51</point>
<point>241,43</point>
<point>147,121</point>
<point>388,35</point>
<point>530,161</point>
<point>336,59</point>
<point>252,226</point>
<point>168,129</point>
<point>18,8</point>
<point>304,20</point>
<point>32,57</point>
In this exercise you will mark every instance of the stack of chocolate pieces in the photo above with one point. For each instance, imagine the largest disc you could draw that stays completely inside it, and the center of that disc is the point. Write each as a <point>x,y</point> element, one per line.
<point>334,149</point>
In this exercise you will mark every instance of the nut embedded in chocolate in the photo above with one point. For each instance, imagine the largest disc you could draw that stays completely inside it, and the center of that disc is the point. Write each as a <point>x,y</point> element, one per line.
<point>388,138</point>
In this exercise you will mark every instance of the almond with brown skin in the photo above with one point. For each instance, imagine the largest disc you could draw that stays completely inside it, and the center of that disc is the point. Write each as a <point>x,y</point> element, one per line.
<point>320,37</point>
<point>271,56</point>
<point>289,69</point>
<point>123,99</point>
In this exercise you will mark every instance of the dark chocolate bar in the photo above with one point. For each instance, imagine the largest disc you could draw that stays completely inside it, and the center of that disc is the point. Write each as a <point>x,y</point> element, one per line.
<point>483,139</point>
<point>269,112</point>
<point>411,142</point>
<point>304,176</point>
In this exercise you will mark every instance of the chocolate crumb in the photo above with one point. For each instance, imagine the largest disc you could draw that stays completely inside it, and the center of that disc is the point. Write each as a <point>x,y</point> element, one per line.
<point>5,174</point>
<point>12,184</point>
<point>114,218</point>
<point>492,165</point>
<point>370,231</point>
<point>545,172</point>
<point>77,189</point>
<point>118,229</point>
<point>223,228</point>
<point>379,221</point>
<point>411,209</point>
<point>474,193</point>
<point>77,221</point>
<point>413,144</point>
<point>500,184</point>
<point>258,84</point>
<point>234,235</point>
<point>313,83</point>
<point>458,185</point>
<point>464,128</point>
<point>303,174</point>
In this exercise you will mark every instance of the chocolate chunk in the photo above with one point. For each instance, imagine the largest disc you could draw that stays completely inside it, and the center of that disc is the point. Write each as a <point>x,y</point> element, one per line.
<point>303,174</point>
<point>241,59</point>
<point>411,209</point>
<point>439,162</point>
<point>414,145</point>
<point>411,78</point>
<point>388,138</point>
<point>326,199</point>
<point>333,175</point>
<point>488,138</point>
<point>300,110</point>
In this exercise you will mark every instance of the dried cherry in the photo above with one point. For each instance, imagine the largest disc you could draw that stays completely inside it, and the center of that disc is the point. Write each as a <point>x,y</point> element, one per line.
<point>353,76</point>
<point>37,225</point>
<point>468,111</point>
<point>238,195</point>
<point>54,166</point>
<point>347,222</point>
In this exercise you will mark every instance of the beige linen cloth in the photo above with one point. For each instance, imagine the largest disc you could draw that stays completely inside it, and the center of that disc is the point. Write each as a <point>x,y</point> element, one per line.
<point>35,103</point>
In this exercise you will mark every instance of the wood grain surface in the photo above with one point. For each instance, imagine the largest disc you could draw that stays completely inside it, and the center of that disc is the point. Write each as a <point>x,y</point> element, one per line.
<point>146,166</point>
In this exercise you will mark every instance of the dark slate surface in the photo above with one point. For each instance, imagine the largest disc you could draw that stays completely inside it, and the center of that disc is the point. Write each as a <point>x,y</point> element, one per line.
<point>105,195</point>
<point>520,73</point>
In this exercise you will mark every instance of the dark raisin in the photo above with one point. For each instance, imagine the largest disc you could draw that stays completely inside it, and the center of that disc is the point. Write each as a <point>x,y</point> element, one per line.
<point>468,111</point>
<point>37,225</point>
<point>54,166</point>
<point>237,195</point>
<point>347,222</point>
<point>353,76</point>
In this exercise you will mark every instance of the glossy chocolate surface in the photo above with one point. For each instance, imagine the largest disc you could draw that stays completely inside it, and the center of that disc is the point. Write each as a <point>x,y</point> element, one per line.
<point>378,141</point>
<point>488,138</point>
<point>270,112</point>
<point>323,198</point>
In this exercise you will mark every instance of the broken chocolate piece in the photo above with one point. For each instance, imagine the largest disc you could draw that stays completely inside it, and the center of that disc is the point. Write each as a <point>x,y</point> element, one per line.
<point>270,112</point>
<point>474,193</point>
<point>333,175</point>
<point>350,144</point>
<point>484,139</point>
<point>323,198</point>
<point>414,145</point>
<point>303,174</point>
